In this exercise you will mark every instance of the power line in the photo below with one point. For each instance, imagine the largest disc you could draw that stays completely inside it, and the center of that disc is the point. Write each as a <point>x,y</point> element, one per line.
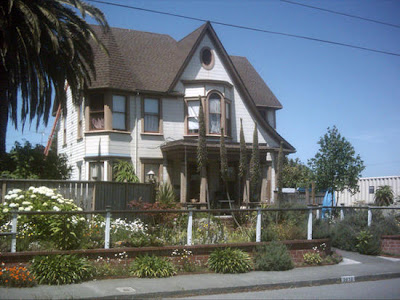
<point>249,28</point>
<point>342,14</point>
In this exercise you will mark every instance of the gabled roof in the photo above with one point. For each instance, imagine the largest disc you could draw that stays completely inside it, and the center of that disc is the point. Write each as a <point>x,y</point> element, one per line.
<point>143,61</point>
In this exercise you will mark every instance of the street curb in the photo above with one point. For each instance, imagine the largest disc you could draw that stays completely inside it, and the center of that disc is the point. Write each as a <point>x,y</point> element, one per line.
<point>254,288</point>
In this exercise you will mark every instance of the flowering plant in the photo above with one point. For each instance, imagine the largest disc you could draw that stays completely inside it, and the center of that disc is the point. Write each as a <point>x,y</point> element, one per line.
<point>64,230</point>
<point>185,259</point>
<point>16,277</point>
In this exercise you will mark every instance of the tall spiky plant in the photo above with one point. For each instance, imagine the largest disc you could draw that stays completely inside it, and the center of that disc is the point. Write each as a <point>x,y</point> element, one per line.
<point>202,155</point>
<point>255,170</point>
<point>243,163</point>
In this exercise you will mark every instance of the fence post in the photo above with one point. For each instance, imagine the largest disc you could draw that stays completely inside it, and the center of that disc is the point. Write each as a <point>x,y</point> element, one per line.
<point>14,231</point>
<point>258,226</point>
<point>309,225</point>
<point>189,228</point>
<point>107,230</point>
<point>341,211</point>
<point>318,213</point>
<point>369,216</point>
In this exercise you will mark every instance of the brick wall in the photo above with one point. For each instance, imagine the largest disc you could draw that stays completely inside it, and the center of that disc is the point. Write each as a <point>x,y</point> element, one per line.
<point>200,252</point>
<point>390,244</point>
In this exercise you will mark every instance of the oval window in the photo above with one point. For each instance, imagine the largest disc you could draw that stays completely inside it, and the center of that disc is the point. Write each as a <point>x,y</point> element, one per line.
<point>207,58</point>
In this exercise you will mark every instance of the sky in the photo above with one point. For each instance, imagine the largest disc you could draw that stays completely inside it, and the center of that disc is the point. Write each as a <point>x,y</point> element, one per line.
<point>319,85</point>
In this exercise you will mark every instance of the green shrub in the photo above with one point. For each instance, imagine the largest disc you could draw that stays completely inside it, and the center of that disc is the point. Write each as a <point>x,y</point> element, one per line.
<point>273,257</point>
<point>166,195</point>
<point>229,260</point>
<point>152,266</point>
<point>321,229</point>
<point>286,230</point>
<point>367,243</point>
<point>344,233</point>
<point>61,269</point>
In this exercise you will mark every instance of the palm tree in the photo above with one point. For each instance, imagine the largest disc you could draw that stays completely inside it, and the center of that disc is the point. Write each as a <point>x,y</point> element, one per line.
<point>43,45</point>
<point>384,196</point>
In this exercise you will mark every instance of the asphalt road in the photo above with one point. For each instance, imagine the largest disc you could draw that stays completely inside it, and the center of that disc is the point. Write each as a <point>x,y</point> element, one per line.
<point>381,289</point>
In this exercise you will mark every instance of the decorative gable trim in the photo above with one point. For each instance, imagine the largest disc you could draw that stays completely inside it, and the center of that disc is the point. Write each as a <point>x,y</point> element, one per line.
<point>236,78</point>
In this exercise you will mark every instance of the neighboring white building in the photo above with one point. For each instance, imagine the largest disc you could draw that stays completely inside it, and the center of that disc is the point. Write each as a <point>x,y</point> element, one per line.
<point>368,187</point>
<point>144,105</point>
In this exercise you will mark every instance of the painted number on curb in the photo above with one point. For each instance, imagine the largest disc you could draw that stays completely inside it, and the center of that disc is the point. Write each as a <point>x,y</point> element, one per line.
<point>347,279</point>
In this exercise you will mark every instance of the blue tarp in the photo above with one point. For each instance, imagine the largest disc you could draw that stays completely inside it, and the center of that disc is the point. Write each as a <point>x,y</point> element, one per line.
<point>328,201</point>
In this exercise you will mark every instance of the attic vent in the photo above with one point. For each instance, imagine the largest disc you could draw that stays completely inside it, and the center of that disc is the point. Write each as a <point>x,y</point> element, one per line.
<point>207,58</point>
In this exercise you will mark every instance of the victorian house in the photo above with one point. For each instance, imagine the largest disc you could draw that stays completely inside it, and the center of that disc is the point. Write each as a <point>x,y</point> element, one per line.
<point>144,106</point>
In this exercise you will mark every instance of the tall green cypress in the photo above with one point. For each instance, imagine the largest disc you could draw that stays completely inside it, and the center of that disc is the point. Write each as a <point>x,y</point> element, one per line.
<point>202,141</point>
<point>223,157</point>
<point>255,170</point>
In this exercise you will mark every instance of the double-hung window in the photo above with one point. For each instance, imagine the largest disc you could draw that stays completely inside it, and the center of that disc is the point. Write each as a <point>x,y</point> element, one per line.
<point>151,115</point>
<point>119,112</point>
<point>96,115</point>
<point>80,120</point>
<point>193,116</point>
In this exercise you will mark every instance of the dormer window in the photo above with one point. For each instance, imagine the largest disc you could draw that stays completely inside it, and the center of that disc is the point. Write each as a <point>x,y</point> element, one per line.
<point>207,58</point>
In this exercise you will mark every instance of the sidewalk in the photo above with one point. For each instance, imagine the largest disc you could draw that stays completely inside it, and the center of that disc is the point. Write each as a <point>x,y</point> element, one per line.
<point>355,267</point>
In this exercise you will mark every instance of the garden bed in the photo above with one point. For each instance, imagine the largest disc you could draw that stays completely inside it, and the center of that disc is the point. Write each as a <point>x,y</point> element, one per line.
<point>200,252</point>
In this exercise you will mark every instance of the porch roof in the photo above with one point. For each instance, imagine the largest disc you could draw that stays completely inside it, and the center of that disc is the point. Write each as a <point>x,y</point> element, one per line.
<point>179,147</point>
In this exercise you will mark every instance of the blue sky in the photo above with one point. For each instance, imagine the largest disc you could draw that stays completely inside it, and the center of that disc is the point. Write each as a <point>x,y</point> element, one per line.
<point>319,85</point>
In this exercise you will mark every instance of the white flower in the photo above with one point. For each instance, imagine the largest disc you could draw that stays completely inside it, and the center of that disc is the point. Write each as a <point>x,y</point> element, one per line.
<point>5,203</point>
<point>26,203</point>
<point>53,197</point>
<point>20,208</point>
<point>31,188</point>
<point>33,196</point>
<point>13,205</point>
<point>79,209</point>
<point>81,219</point>
<point>21,197</point>
<point>60,201</point>
<point>56,208</point>
<point>29,208</point>
<point>5,210</point>
<point>45,204</point>
<point>13,196</point>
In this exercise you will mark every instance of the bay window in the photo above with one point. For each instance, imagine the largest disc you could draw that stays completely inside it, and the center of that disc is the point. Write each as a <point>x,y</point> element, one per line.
<point>193,116</point>
<point>96,112</point>
<point>214,113</point>
<point>217,114</point>
<point>118,112</point>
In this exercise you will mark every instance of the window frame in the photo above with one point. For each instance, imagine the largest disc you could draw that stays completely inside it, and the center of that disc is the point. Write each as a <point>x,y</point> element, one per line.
<point>187,100</point>
<point>159,115</point>
<point>91,97</point>
<point>150,161</point>
<point>225,123</point>
<point>125,113</point>
<point>212,62</point>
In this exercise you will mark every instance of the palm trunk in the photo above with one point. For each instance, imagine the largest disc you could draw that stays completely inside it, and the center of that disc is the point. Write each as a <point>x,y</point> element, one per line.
<point>3,110</point>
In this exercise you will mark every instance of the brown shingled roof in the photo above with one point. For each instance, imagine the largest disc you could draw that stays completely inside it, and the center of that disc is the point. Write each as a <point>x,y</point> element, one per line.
<point>149,61</point>
<point>257,88</point>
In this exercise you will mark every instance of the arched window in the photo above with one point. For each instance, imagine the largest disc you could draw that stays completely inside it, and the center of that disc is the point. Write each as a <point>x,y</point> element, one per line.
<point>214,113</point>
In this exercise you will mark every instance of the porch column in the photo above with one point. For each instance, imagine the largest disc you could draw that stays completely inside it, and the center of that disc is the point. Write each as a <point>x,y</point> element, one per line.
<point>269,184</point>
<point>183,183</point>
<point>264,176</point>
